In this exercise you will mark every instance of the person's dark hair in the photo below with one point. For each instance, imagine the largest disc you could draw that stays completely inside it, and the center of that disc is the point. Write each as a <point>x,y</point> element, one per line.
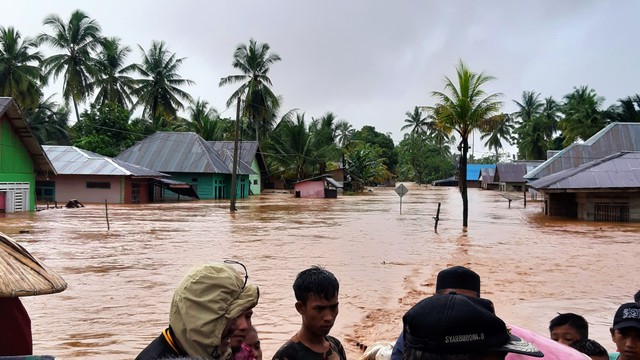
<point>574,320</point>
<point>636,297</point>
<point>590,347</point>
<point>315,281</point>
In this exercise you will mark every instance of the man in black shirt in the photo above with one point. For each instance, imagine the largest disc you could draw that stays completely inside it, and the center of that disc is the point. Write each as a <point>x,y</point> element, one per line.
<point>316,291</point>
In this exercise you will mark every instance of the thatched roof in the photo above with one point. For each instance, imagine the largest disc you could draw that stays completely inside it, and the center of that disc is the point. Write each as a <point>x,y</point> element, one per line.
<point>21,274</point>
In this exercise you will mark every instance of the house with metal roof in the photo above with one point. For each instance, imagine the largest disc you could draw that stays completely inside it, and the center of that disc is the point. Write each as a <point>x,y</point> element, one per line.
<point>89,178</point>
<point>606,189</point>
<point>473,173</point>
<point>486,179</point>
<point>21,158</point>
<point>323,186</point>
<point>188,158</point>
<point>612,139</point>
<point>249,154</point>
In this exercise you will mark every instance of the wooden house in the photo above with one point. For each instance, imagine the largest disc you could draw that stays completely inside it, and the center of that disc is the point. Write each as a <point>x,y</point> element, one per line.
<point>21,158</point>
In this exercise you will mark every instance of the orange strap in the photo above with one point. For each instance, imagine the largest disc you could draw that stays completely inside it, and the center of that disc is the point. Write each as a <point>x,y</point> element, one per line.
<point>167,336</point>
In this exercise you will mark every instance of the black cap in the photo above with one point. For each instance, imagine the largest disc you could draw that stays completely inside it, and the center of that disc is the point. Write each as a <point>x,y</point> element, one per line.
<point>458,324</point>
<point>628,315</point>
<point>458,277</point>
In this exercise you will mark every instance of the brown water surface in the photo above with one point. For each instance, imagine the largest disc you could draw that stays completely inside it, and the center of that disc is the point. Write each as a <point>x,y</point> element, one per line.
<point>121,281</point>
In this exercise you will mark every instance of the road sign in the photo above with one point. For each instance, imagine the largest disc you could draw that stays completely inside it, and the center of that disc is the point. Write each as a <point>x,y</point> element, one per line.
<point>401,190</point>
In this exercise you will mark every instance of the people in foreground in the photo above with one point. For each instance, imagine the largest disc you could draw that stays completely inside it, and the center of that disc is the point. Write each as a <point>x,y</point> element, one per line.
<point>252,340</point>
<point>625,331</point>
<point>568,327</point>
<point>458,327</point>
<point>205,310</point>
<point>458,279</point>
<point>316,292</point>
<point>591,348</point>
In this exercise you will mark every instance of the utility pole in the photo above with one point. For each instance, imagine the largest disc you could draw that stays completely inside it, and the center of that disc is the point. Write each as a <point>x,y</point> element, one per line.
<point>234,170</point>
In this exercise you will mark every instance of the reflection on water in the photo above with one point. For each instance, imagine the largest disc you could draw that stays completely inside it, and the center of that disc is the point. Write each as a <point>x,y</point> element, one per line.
<point>121,281</point>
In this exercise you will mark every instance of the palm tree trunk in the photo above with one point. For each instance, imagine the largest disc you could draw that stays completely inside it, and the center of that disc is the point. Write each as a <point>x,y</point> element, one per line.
<point>75,106</point>
<point>234,170</point>
<point>462,182</point>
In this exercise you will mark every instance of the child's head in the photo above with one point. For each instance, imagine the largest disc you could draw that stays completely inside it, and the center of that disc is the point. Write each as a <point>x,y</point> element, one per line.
<point>568,327</point>
<point>253,341</point>
<point>316,282</point>
<point>591,348</point>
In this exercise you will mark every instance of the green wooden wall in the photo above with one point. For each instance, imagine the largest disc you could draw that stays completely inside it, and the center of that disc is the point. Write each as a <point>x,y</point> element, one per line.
<point>16,164</point>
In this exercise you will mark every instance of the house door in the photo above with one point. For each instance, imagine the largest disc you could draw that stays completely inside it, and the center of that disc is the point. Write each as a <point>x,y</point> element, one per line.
<point>16,196</point>
<point>3,196</point>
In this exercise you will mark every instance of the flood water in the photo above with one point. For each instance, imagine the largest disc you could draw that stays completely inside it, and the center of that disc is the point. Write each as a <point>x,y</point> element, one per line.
<point>121,281</point>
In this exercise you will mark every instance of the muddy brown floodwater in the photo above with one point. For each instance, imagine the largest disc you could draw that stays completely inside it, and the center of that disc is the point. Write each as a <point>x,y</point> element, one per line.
<point>121,281</point>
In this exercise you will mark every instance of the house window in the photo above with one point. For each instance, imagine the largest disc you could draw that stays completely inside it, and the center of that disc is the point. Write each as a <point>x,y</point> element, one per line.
<point>194,179</point>
<point>612,212</point>
<point>255,181</point>
<point>98,185</point>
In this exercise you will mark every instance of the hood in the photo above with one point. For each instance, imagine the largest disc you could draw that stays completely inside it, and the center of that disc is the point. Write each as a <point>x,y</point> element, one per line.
<point>206,299</point>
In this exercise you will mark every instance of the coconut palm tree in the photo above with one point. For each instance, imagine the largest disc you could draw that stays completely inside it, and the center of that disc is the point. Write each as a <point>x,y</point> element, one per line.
<point>583,116</point>
<point>159,92</point>
<point>112,83</point>
<point>502,130</point>
<point>254,62</point>
<point>49,122</point>
<point>627,110</point>
<point>463,107</point>
<point>291,147</point>
<point>344,131</point>
<point>415,121</point>
<point>205,121</point>
<point>20,72</point>
<point>78,38</point>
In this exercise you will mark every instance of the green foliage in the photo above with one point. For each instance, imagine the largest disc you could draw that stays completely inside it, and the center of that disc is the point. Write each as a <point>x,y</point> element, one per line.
<point>20,72</point>
<point>369,135</point>
<point>104,130</point>
<point>77,38</point>
<point>421,160</point>
<point>583,117</point>
<point>158,91</point>
<point>111,82</point>
<point>365,165</point>
<point>49,122</point>
<point>537,125</point>
<point>260,103</point>
<point>463,107</point>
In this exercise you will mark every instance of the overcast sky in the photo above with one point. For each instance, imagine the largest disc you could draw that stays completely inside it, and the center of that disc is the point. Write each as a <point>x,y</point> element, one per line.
<point>369,62</point>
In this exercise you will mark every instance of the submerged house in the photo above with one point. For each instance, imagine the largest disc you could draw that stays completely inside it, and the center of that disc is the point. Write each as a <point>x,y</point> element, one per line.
<point>486,179</point>
<point>21,159</point>
<point>250,155</point>
<point>89,177</point>
<point>473,173</point>
<point>188,158</point>
<point>323,186</point>
<point>612,139</point>
<point>607,189</point>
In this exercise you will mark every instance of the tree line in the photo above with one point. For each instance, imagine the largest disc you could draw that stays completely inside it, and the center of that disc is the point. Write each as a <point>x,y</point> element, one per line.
<point>94,70</point>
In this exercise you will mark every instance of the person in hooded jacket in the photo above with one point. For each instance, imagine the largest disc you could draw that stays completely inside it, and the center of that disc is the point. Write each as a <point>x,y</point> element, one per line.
<point>203,313</point>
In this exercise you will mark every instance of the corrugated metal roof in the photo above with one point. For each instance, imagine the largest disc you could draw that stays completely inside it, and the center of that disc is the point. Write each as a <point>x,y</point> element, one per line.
<point>9,108</point>
<point>487,175</point>
<point>70,160</point>
<point>325,177</point>
<point>617,171</point>
<point>473,170</point>
<point>175,152</point>
<point>511,172</point>
<point>227,156</point>
<point>246,149</point>
<point>613,138</point>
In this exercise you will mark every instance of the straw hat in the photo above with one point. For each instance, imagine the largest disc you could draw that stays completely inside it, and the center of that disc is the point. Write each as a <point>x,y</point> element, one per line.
<point>21,274</point>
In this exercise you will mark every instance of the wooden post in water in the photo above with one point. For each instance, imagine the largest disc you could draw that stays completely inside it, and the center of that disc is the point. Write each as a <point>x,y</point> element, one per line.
<point>437,218</point>
<point>106,213</point>
<point>234,169</point>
